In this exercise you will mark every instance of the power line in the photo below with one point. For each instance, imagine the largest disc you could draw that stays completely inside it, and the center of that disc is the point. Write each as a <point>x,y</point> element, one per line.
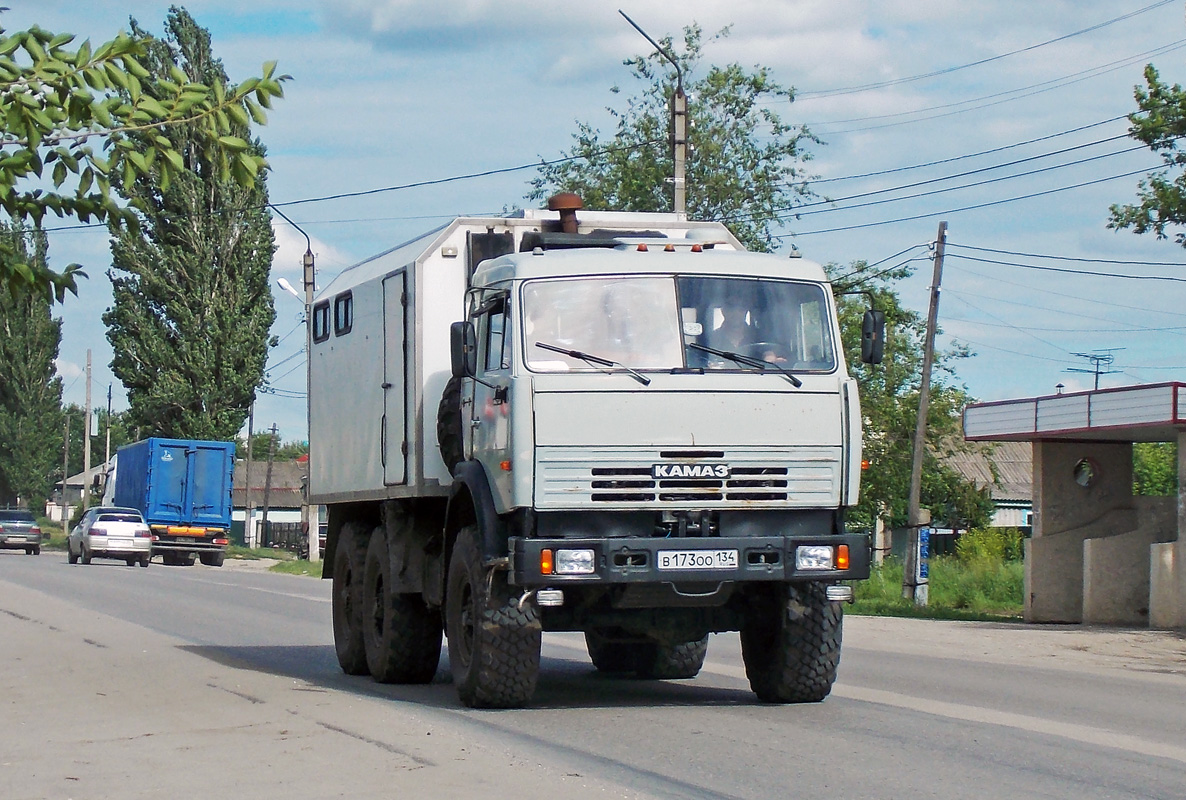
<point>990,59</point>
<point>1172,329</point>
<point>796,212</point>
<point>1069,258</point>
<point>468,176</point>
<point>1109,302</point>
<point>973,155</point>
<point>1067,271</point>
<point>963,208</point>
<point>1053,83</point>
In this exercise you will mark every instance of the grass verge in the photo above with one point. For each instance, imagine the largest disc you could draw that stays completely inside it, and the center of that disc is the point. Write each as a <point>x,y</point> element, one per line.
<point>297,566</point>
<point>963,589</point>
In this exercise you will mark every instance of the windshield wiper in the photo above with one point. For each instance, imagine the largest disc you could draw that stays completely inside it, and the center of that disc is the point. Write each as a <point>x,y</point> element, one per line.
<point>749,361</point>
<point>596,361</point>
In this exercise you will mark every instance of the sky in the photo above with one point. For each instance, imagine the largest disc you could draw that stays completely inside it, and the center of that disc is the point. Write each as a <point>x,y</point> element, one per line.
<point>1004,119</point>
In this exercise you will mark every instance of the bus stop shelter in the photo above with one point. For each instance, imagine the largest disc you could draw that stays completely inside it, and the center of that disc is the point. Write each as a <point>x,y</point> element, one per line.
<point>1098,553</point>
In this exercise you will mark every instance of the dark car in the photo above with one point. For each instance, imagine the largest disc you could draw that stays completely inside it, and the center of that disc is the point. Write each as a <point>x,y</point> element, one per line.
<point>19,531</point>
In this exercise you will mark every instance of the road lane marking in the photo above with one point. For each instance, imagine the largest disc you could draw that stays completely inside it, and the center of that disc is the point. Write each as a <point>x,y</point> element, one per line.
<point>1100,737</point>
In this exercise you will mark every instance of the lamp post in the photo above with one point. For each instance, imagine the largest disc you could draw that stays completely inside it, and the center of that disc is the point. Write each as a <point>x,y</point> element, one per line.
<point>312,525</point>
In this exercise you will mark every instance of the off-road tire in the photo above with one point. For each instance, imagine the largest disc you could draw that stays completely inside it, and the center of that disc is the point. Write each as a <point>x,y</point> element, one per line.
<point>449,425</point>
<point>612,656</point>
<point>791,645</point>
<point>493,643</point>
<point>673,661</point>
<point>401,635</point>
<point>647,659</point>
<point>71,556</point>
<point>212,559</point>
<point>349,561</point>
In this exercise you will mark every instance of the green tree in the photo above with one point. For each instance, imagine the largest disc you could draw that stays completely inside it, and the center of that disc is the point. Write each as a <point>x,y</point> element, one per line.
<point>189,325</point>
<point>260,442</point>
<point>1161,125</point>
<point>1155,468</point>
<point>57,103</point>
<point>30,391</point>
<point>745,165</point>
<point>889,405</point>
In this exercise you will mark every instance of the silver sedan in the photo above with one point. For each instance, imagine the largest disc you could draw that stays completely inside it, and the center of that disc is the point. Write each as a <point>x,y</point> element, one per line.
<point>111,532</point>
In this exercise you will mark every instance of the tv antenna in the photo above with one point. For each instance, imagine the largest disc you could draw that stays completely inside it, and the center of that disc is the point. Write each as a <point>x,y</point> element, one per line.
<point>1099,360</point>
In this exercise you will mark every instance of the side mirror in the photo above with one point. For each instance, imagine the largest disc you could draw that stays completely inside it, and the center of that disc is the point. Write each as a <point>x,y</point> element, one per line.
<point>463,349</point>
<point>873,336</point>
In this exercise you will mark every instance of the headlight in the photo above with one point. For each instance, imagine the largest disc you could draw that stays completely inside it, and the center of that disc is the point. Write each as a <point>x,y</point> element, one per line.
<point>813,556</point>
<point>574,562</point>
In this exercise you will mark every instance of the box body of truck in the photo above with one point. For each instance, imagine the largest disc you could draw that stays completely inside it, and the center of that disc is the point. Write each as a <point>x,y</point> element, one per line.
<point>606,462</point>
<point>183,489</point>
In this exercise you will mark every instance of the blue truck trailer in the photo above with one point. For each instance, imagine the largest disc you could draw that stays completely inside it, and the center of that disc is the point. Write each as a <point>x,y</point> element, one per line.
<point>183,489</point>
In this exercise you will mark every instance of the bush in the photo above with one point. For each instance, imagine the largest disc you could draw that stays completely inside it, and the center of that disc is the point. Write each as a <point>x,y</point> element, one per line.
<point>992,545</point>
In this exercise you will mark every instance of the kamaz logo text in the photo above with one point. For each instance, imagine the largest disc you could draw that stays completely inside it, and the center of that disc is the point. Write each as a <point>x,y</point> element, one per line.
<point>689,470</point>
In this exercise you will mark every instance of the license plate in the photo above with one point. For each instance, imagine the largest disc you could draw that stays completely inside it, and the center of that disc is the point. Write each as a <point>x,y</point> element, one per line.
<point>697,559</point>
<point>184,539</point>
<point>119,543</point>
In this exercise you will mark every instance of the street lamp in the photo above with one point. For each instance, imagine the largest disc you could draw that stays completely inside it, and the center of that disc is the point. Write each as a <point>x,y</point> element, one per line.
<point>312,525</point>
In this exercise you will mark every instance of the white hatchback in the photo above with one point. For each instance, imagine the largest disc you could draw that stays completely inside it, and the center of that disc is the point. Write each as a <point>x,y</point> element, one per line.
<point>111,532</point>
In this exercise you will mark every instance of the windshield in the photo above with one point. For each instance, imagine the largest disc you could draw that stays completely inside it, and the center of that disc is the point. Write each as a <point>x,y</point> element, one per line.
<point>663,322</point>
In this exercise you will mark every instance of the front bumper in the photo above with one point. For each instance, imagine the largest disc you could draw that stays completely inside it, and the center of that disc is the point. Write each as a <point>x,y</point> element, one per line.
<point>626,560</point>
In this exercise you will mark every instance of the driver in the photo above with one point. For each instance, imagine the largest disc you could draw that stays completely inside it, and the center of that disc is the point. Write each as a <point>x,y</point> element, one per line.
<point>737,334</point>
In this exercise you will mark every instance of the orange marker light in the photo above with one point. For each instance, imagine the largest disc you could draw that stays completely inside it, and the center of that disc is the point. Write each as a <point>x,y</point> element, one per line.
<point>545,562</point>
<point>697,248</point>
<point>669,248</point>
<point>842,557</point>
<point>864,464</point>
<point>642,248</point>
<point>505,466</point>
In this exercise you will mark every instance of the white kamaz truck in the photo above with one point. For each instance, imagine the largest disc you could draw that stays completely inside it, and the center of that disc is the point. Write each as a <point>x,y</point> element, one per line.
<point>615,423</point>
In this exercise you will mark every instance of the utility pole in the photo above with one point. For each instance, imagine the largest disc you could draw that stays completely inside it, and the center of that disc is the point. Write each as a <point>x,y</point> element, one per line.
<point>268,484</point>
<point>65,475</point>
<point>249,538</point>
<point>679,128</point>
<point>86,439</point>
<point>107,449</point>
<point>310,279</point>
<point>912,588</point>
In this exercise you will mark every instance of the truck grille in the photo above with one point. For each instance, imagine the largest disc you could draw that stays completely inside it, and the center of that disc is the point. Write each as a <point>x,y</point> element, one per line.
<point>616,477</point>
<point>634,484</point>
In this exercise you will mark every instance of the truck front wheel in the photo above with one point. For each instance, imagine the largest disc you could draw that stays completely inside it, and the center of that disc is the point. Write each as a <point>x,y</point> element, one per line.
<point>791,644</point>
<point>401,635</point>
<point>347,599</point>
<point>493,643</point>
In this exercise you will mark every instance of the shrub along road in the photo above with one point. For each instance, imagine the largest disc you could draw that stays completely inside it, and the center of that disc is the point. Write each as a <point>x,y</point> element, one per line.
<point>199,682</point>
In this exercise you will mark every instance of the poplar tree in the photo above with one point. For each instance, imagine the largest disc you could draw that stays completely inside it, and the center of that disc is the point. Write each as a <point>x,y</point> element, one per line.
<point>30,391</point>
<point>192,305</point>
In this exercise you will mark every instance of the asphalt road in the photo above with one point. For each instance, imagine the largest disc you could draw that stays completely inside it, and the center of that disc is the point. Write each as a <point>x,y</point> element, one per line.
<point>200,682</point>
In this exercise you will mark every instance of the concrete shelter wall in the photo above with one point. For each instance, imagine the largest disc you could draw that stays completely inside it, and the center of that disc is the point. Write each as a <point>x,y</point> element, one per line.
<point>1066,514</point>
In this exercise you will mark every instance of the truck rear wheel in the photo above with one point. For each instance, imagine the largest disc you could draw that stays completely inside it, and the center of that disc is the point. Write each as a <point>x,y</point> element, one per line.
<point>349,558</point>
<point>673,661</point>
<point>401,635</point>
<point>213,559</point>
<point>647,659</point>
<point>791,645</point>
<point>493,644</point>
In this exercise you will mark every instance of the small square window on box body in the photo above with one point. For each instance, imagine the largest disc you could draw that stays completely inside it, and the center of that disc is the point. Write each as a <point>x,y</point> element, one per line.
<point>343,313</point>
